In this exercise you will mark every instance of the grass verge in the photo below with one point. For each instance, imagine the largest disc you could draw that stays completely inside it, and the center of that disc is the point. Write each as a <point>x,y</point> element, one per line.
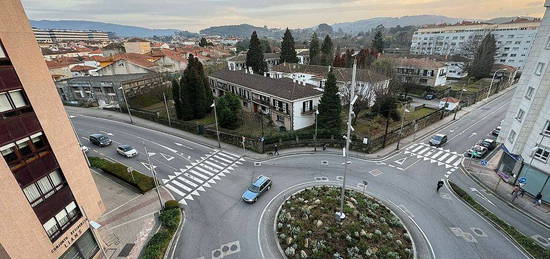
<point>530,245</point>
<point>143,182</point>
<point>170,219</point>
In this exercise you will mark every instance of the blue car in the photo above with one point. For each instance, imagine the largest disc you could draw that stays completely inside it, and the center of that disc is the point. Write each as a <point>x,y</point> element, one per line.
<point>256,189</point>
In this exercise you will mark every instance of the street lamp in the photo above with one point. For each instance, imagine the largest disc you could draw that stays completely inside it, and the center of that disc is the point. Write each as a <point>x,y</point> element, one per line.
<point>459,102</point>
<point>315,136</point>
<point>167,111</point>
<point>492,80</point>
<point>401,130</point>
<point>216,118</point>
<point>152,170</point>
<point>340,215</point>
<point>127,106</point>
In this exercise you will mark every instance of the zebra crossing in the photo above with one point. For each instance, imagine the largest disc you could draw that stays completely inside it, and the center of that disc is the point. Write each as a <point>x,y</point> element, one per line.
<point>187,183</point>
<point>443,157</point>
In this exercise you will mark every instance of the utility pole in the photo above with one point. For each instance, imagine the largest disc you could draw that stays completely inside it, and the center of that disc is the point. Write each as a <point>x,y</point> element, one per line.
<point>353,98</point>
<point>459,102</point>
<point>127,106</point>
<point>315,136</point>
<point>167,111</point>
<point>492,80</point>
<point>216,118</point>
<point>401,130</point>
<point>152,170</point>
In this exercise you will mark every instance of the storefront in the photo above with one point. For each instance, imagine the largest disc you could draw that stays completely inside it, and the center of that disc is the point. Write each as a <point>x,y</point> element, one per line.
<point>85,247</point>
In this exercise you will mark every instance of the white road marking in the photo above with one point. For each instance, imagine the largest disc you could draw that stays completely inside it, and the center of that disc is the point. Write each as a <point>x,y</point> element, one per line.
<point>400,161</point>
<point>214,165</point>
<point>167,157</point>
<point>457,162</point>
<point>107,133</point>
<point>230,154</point>
<point>417,148</point>
<point>436,154</point>
<point>194,178</point>
<point>411,146</point>
<point>198,174</point>
<point>187,189</point>
<point>222,159</point>
<point>182,145</point>
<point>423,150</point>
<point>203,170</point>
<point>451,159</point>
<point>176,190</point>
<point>443,156</point>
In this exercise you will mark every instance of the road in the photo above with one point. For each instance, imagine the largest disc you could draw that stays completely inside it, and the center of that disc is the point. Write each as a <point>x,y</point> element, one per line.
<point>219,225</point>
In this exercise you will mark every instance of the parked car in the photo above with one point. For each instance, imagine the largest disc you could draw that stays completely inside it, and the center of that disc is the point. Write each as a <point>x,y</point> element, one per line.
<point>126,150</point>
<point>256,189</point>
<point>100,140</point>
<point>496,131</point>
<point>84,149</point>
<point>489,143</point>
<point>478,151</point>
<point>438,140</point>
<point>429,97</point>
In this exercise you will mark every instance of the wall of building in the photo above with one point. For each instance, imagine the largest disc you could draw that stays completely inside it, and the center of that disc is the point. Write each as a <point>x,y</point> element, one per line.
<point>21,234</point>
<point>302,120</point>
<point>122,67</point>
<point>137,47</point>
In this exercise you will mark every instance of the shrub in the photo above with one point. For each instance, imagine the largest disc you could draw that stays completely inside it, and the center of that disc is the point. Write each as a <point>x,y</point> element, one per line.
<point>527,243</point>
<point>157,245</point>
<point>143,182</point>
<point>171,204</point>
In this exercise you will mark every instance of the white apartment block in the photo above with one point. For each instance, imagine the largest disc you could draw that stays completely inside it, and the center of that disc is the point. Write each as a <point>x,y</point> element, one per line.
<point>53,36</point>
<point>514,40</point>
<point>526,129</point>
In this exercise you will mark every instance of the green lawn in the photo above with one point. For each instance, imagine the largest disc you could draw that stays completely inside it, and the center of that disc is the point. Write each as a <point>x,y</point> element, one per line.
<point>377,126</point>
<point>471,85</point>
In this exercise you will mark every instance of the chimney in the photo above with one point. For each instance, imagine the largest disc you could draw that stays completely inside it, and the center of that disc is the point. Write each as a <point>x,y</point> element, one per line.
<point>265,74</point>
<point>246,71</point>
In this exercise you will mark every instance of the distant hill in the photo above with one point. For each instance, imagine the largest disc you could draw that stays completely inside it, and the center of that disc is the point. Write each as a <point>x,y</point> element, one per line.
<point>507,19</point>
<point>119,30</point>
<point>241,31</point>
<point>388,22</point>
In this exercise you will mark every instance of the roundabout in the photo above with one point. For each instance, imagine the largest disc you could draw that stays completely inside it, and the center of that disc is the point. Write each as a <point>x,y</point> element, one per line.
<point>306,226</point>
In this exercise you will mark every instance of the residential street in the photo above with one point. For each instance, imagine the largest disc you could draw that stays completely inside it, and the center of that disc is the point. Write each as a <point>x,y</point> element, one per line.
<point>209,184</point>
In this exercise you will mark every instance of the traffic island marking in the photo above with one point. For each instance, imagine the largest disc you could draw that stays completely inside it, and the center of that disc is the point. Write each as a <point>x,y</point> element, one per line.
<point>375,172</point>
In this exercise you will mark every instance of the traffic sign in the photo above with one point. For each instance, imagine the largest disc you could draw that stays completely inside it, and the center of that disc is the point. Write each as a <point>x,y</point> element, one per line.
<point>522,180</point>
<point>484,162</point>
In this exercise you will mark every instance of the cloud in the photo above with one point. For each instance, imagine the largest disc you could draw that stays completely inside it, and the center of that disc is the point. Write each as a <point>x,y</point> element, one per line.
<point>194,15</point>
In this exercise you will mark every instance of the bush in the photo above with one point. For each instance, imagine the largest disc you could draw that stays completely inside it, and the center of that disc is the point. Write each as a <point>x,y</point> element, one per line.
<point>527,243</point>
<point>157,245</point>
<point>143,182</point>
<point>171,204</point>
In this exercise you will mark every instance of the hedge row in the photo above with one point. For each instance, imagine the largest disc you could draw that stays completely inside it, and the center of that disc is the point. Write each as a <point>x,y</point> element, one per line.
<point>143,182</point>
<point>170,219</point>
<point>526,242</point>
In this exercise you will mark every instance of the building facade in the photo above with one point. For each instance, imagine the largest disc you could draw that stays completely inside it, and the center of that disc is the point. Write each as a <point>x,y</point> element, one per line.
<point>525,131</point>
<point>54,36</point>
<point>138,46</point>
<point>239,62</point>
<point>421,71</point>
<point>513,40</point>
<point>289,105</point>
<point>48,194</point>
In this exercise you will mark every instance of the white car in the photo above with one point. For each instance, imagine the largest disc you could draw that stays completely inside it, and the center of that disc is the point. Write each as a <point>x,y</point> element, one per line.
<point>126,150</point>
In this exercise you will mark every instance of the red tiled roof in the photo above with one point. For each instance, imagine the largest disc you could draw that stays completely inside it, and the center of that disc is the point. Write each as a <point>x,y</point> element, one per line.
<point>138,59</point>
<point>449,100</point>
<point>419,63</point>
<point>79,68</point>
<point>62,62</point>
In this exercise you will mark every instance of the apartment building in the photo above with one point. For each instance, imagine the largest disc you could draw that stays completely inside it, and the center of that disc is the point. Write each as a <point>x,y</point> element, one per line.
<point>137,45</point>
<point>421,71</point>
<point>54,36</point>
<point>291,106</point>
<point>525,131</point>
<point>239,62</point>
<point>48,194</point>
<point>514,40</point>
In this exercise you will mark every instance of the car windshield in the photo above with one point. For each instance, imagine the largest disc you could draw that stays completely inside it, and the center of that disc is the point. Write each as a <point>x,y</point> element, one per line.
<point>478,148</point>
<point>126,148</point>
<point>437,137</point>
<point>253,188</point>
<point>101,138</point>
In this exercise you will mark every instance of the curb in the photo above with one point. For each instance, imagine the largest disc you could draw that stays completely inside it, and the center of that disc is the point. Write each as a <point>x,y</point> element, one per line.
<point>487,188</point>
<point>496,226</point>
<point>176,234</point>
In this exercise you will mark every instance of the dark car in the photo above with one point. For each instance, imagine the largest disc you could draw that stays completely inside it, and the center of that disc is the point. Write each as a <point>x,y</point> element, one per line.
<point>100,140</point>
<point>496,131</point>
<point>438,140</point>
<point>478,151</point>
<point>489,143</point>
<point>256,189</point>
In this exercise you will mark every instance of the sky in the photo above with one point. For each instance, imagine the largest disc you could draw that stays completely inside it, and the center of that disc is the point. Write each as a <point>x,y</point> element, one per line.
<point>199,14</point>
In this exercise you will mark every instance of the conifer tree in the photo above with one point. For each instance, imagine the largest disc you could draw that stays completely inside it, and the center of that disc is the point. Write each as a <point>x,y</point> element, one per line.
<point>176,97</point>
<point>288,53</point>
<point>330,107</point>
<point>314,50</point>
<point>326,51</point>
<point>484,58</point>
<point>194,91</point>
<point>378,41</point>
<point>255,55</point>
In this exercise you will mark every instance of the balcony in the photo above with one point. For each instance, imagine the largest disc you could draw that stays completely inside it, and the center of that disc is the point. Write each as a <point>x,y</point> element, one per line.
<point>260,101</point>
<point>34,167</point>
<point>53,204</point>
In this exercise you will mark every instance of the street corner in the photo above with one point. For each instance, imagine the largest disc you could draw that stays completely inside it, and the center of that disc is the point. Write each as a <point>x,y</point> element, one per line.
<point>402,161</point>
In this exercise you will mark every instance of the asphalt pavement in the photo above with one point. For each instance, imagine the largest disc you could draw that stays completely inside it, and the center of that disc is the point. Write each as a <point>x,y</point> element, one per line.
<point>220,225</point>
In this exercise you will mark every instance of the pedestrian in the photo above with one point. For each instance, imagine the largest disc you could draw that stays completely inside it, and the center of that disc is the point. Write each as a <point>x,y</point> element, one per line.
<point>515,190</point>
<point>515,195</point>
<point>276,150</point>
<point>324,147</point>
<point>439,185</point>
<point>538,199</point>
<point>522,192</point>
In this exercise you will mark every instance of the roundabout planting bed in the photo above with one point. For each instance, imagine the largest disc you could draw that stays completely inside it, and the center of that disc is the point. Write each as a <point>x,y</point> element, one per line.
<point>306,227</point>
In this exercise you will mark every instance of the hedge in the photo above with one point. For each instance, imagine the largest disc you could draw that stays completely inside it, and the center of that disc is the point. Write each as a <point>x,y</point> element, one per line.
<point>143,182</point>
<point>170,219</point>
<point>530,245</point>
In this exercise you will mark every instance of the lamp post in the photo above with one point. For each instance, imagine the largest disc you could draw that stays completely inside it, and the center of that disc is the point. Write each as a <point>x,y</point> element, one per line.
<point>167,111</point>
<point>127,106</point>
<point>459,102</point>
<point>315,136</point>
<point>340,215</point>
<point>401,130</point>
<point>492,80</point>
<point>152,170</point>
<point>216,118</point>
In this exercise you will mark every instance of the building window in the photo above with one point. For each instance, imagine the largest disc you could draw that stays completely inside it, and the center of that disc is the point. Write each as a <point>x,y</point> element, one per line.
<point>61,221</point>
<point>548,43</point>
<point>512,136</point>
<point>12,100</point>
<point>542,153</point>
<point>529,93</point>
<point>2,52</point>
<point>281,118</point>
<point>23,148</point>
<point>520,115</point>
<point>85,247</point>
<point>45,187</point>
<point>539,69</point>
<point>546,130</point>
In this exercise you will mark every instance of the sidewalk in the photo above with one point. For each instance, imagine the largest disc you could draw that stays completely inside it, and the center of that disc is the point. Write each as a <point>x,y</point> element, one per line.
<point>212,143</point>
<point>488,178</point>
<point>130,218</point>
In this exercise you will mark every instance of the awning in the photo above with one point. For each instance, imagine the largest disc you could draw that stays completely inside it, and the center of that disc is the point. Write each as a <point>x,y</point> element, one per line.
<point>515,157</point>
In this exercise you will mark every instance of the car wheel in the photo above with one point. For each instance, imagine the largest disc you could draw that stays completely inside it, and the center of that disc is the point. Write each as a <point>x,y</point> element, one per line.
<point>255,199</point>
